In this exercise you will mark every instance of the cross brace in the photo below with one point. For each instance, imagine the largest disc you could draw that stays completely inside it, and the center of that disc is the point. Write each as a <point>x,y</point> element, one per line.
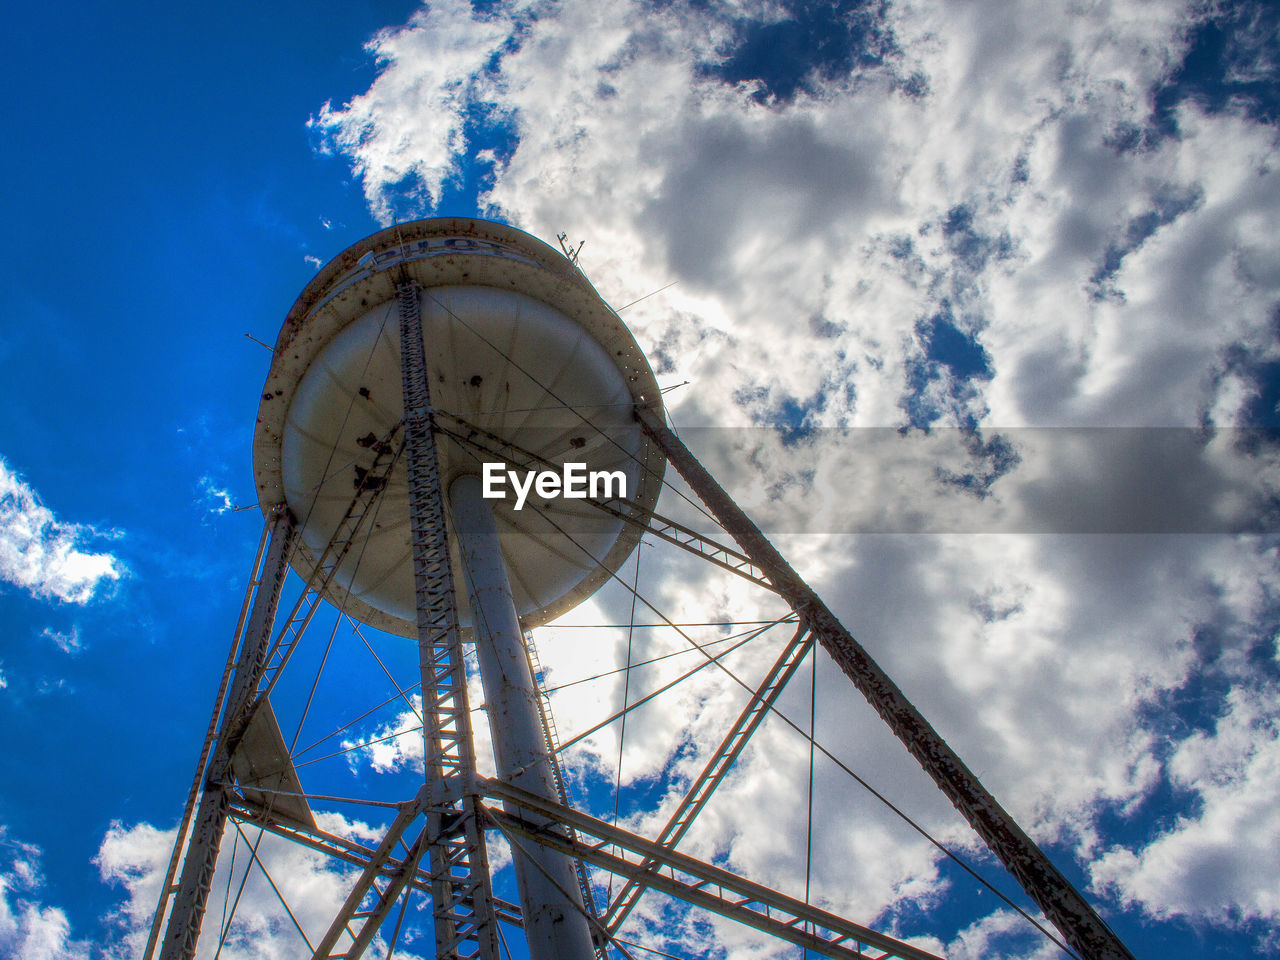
<point>1083,929</point>
<point>371,920</point>
<point>340,848</point>
<point>716,768</point>
<point>336,551</point>
<point>689,879</point>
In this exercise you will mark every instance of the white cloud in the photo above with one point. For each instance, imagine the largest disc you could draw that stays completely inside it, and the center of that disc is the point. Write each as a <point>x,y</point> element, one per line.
<point>218,497</point>
<point>68,641</point>
<point>43,555</point>
<point>1003,931</point>
<point>451,47</point>
<point>315,886</point>
<point>818,243</point>
<point>1219,862</point>
<point>29,928</point>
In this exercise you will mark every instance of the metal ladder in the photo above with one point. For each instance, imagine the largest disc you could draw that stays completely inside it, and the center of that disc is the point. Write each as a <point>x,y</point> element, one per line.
<point>552,738</point>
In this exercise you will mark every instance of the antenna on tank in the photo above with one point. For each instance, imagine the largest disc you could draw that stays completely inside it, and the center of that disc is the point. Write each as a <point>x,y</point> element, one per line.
<point>570,252</point>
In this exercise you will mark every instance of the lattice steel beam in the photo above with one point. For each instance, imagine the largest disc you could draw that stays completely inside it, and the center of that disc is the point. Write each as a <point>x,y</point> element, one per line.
<point>192,890</point>
<point>340,544</point>
<point>167,887</point>
<point>462,899</point>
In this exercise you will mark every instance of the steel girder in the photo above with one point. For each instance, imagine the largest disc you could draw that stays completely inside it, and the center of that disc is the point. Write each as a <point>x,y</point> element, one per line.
<point>462,898</point>
<point>260,662</point>
<point>191,893</point>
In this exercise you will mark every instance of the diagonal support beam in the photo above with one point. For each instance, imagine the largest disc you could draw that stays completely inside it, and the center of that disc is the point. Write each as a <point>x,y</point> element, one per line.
<point>259,664</point>
<point>192,890</point>
<point>336,552</point>
<point>167,887</point>
<point>1061,902</point>
<point>689,879</point>
<point>719,764</point>
<point>371,920</point>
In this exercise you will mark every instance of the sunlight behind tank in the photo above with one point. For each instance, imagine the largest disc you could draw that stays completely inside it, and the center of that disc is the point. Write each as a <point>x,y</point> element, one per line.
<point>517,343</point>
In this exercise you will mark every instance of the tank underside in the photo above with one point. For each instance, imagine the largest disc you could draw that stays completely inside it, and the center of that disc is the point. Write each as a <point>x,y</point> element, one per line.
<point>518,345</point>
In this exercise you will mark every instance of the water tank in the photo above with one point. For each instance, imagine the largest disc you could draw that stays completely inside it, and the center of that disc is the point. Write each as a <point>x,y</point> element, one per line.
<point>519,345</point>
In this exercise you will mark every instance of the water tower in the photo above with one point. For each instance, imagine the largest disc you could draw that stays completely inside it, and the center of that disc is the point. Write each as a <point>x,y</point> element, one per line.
<point>458,440</point>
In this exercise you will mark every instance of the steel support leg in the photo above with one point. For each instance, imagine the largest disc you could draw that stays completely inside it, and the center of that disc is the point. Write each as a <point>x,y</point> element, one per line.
<point>1083,929</point>
<point>554,917</point>
<point>462,898</point>
<point>211,817</point>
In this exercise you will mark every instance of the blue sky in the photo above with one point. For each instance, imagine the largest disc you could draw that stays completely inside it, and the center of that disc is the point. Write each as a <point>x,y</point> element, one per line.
<point>894,230</point>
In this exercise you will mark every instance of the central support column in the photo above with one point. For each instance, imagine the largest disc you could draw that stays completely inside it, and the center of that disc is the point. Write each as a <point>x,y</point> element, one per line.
<point>554,918</point>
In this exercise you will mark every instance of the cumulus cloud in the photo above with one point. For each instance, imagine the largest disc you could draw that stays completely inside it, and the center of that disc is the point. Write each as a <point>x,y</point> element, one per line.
<point>452,47</point>
<point>973,224</point>
<point>136,857</point>
<point>29,928</point>
<point>1220,861</point>
<point>218,497</point>
<point>43,555</point>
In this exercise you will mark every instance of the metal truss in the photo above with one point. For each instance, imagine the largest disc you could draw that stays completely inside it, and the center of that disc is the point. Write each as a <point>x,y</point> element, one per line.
<point>698,883</point>
<point>716,768</point>
<point>462,899</point>
<point>340,848</point>
<point>336,551</point>
<point>1083,929</point>
<point>441,830</point>
<point>259,663</point>
<point>168,888</point>
<point>394,880</point>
